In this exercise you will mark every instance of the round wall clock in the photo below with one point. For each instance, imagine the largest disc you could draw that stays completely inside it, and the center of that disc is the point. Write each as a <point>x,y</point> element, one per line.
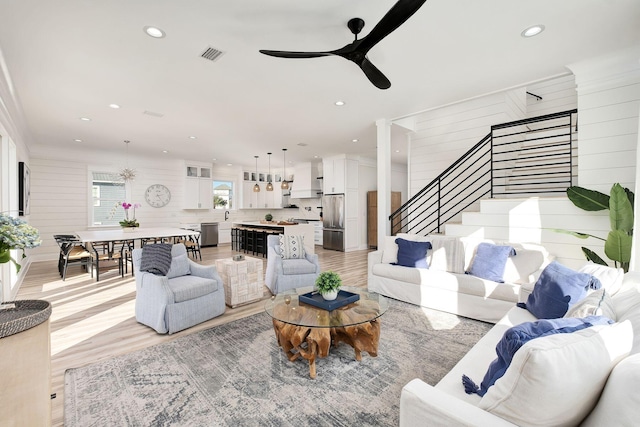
<point>157,195</point>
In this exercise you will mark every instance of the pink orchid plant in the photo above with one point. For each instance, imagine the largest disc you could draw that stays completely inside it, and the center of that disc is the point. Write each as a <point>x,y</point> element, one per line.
<point>130,222</point>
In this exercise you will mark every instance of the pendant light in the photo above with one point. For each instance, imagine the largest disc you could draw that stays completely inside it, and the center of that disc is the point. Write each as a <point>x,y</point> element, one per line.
<point>256,187</point>
<point>285,184</point>
<point>127,174</point>
<point>269,184</point>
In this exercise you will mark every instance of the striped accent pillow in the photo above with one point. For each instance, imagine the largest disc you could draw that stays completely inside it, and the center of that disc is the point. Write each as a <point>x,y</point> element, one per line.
<point>291,247</point>
<point>156,259</point>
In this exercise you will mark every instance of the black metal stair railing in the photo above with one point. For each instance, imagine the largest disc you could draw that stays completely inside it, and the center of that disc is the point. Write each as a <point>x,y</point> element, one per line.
<point>523,157</point>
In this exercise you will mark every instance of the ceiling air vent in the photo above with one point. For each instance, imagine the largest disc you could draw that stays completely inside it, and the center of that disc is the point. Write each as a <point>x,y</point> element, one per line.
<point>151,113</point>
<point>212,54</point>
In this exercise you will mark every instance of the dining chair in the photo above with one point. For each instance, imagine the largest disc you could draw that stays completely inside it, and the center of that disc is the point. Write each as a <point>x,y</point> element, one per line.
<point>192,244</point>
<point>107,251</point>
<point>72,251</point>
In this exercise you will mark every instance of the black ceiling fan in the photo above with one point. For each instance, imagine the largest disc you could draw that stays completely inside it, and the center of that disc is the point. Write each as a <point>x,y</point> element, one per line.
<point>357,51</point>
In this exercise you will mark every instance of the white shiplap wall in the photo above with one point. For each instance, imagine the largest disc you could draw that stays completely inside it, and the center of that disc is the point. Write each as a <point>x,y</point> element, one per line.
<point>444,134</point>
<point>609,106</point>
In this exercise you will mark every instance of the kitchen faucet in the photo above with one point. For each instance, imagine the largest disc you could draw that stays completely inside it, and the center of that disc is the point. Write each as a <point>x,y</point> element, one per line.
<point>226,215</point>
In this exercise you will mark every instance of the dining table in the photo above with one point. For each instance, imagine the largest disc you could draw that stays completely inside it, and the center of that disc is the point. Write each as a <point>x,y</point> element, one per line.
<point>138,233</point>
<point>106,245</point>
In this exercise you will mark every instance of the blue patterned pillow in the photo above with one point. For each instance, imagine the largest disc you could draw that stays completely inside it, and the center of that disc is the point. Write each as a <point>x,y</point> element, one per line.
<point>557,289</point>
<point>156,259</point>
<point>519,335</point>
<point>412,254</point>
<point>490,261</point>
<point>291,247</point>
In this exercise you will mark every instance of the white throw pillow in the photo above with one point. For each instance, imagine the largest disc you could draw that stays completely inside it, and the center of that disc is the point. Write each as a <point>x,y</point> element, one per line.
<point>611,278</point>
<point>291,247</point>
<point>179,266</point>
<point>556,380</point>
<point>597,303</point>
<point>390,250</point>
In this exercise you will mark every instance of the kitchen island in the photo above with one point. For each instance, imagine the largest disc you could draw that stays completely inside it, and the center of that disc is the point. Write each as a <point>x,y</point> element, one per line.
<point>287,229</point>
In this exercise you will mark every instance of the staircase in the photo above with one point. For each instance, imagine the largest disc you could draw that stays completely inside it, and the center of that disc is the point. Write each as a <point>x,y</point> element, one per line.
<point>535,156</point>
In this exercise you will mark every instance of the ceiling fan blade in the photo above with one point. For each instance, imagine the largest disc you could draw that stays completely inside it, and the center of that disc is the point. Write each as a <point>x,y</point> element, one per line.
<point>396,16</point>
<point>374,75</point>
<point>287,54</point>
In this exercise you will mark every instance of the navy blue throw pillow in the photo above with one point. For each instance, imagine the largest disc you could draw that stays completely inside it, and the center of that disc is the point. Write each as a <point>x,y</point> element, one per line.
<point>490,261</point>
<point>519,335</point>
<point>557,289</point>
<point>412,254</point>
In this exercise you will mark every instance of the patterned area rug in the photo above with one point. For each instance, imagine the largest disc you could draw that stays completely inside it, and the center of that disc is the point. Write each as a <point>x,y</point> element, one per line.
<point>236,375</point>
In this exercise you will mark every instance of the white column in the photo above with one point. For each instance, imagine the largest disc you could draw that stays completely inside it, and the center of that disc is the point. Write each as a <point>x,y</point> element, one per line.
<point>384,178</point>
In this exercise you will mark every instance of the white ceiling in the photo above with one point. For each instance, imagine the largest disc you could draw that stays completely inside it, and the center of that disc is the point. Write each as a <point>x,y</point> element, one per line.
<point>72,58</point>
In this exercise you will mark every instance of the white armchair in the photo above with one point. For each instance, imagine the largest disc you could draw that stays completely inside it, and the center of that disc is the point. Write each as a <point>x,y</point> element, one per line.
<point>189,294</point>
<point>284,274</point>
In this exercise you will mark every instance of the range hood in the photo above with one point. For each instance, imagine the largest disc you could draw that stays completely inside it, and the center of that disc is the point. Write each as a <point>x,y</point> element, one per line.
<point>306,184</point>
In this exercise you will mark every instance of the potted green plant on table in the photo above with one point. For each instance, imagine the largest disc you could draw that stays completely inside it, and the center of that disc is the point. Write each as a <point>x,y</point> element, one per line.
<point>268,217</point>
<point>328,284</point>
<point>127,223</point>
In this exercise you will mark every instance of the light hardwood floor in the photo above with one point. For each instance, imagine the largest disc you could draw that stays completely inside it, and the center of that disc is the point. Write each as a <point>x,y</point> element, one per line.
<point>92,321</point>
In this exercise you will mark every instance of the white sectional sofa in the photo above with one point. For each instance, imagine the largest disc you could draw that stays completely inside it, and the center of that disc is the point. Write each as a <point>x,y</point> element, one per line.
<point>445,286</point>
<point>579,388</point>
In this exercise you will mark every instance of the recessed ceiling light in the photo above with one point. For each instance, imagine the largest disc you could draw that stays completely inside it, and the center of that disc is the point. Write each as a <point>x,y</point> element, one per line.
<point>339,103</point>
<point>315,157</point>
<point>354,140</point>
<point>85,119</point>
<point>397,151</point>
<point>154,32</point>
<point>114,106</point>
<point>229,164</point>
<point>77,140</point>
<point>533,30</point>
<point>193,137</point>
<point>165,151</point>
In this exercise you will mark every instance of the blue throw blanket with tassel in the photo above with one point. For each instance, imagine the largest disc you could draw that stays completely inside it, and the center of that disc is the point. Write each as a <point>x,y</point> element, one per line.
<point>519,335</point>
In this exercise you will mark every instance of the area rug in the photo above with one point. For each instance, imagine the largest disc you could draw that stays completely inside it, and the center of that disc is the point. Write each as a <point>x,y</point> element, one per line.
<point>236,375</point>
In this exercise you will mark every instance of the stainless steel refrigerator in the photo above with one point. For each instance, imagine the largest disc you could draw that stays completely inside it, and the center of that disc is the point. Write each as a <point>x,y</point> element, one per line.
<point>333,222</point>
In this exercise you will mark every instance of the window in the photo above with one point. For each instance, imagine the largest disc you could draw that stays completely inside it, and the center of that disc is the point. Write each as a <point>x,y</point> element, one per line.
<point>223,197</point>
<point>107,190</point>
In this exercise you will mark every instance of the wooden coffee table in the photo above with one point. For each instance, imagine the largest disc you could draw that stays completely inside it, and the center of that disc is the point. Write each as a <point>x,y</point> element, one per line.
<point>305,331</point>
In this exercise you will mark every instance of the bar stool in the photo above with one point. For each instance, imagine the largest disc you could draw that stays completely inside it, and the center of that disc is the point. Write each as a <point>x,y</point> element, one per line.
<point>260,246</point>
<point>249,240</point>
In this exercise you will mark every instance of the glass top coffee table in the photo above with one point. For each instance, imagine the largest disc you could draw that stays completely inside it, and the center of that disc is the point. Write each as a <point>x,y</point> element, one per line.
<point>305,331</point>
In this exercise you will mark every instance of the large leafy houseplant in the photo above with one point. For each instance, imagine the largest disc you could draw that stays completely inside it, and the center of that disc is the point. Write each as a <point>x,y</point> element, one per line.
<point>617,245</point>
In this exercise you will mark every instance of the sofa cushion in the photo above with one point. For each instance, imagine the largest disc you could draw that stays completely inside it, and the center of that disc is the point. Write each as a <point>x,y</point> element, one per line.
<point>412,254</point>
<point>619,402</point>
<point>447,254</point>
<point>179,266</point>
<point>516,336</point>
<point>461,283</point>
<point>611,278</point>
<point>598,303</point>
<point>557,289</point>
<point>298,266</point>
<point>490,261</point>
<point>186,288</point>
<point>291,247</point>
<point>156,258</point>
<point>556,380</point>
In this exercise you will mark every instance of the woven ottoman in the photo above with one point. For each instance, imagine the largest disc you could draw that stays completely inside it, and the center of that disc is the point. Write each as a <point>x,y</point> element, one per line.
<point>243,280</point>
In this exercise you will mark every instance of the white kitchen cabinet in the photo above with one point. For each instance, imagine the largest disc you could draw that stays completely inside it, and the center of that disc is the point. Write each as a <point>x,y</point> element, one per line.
<point>198,186</point>
<point>263,199</point>
<point>333,176</point>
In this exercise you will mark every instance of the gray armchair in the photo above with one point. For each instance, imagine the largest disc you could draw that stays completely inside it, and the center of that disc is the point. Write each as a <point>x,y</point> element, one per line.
<point>285,274</point>
<point>189,294</point>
